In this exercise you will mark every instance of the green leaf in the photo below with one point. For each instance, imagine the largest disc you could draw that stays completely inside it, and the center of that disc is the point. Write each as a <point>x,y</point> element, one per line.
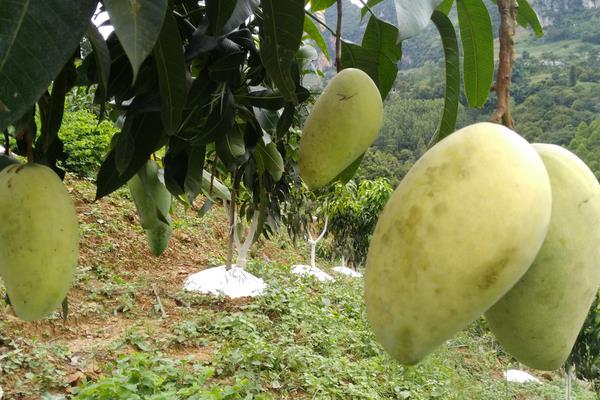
<point>230,147</point>
<point>314,33</point>
<point>195,168</point>
<point>446,6</point>
<point>273,160</point>
<point>273,100</point>
<point>101,55</point>
<point>281,35</point>
<point>318,5</point>
<point>243,9</point>
<point>170,64</point>
<point>382,37</point>
<point>452,95</point>
<point>355,56</point>
<point>527,17</point>
<point>478,47</point>
<point>137,25</point>
<point>371,4</point>
<point>146,134</point>
<point>213,188</point>
<point>36,40</point>
<point>414,16</point>
<point>349,172</point>
<point>218,12</point>
<point>51,112</point>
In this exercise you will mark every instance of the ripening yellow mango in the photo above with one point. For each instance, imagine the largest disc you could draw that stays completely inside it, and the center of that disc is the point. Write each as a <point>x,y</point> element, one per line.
<point>539,319</point>
<point>342,125</point>
<point>39,239</point>
<point>460,230</point>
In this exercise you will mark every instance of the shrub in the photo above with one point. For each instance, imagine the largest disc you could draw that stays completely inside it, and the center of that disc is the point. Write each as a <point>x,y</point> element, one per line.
<point>86,141</point>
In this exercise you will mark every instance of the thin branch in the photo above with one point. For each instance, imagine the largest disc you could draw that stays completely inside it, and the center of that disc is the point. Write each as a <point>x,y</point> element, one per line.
<point>6,144</point>
<point>508,13</point>
<point>160,305</point>
<point>365,5</point>
<point>338,38</point>
<point>323,24</point>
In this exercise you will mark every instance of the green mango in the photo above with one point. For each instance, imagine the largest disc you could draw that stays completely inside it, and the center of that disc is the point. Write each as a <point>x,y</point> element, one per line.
<point>39,239</point>
<point>539,319</point>
<point>460,230</point>
<point>342,125</point>
<point>153,203</point>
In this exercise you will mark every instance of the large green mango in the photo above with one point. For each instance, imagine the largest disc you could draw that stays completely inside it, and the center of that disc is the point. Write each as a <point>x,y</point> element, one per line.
<point>460,230</point>
<point>539,319</point>
<point>342,125</point>
<point>39,239</point>
<point>153,203</point>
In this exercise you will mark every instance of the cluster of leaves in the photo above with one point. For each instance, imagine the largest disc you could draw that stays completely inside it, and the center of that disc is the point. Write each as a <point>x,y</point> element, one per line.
<point>353,211</point>
<point>217,82</point>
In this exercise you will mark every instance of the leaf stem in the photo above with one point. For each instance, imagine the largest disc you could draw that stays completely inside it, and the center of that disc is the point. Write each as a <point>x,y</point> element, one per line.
<point>508,13</point>
<point>338,38</point>
<point>317,19</point>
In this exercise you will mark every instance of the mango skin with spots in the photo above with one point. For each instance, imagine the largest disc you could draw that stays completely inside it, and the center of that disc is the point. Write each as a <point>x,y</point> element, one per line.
<point>39,239</point>
<point>341,126</point>
<point>539,319</point>
<point>460,230</point>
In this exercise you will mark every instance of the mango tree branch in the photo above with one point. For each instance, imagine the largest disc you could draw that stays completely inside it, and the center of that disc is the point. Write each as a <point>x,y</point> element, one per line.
<point>338,38</point>
<point>508,14</point>
<point>232,206</point>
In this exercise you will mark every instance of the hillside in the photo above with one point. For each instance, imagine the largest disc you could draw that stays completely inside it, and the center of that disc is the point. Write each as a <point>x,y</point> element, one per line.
<point>302,340</point>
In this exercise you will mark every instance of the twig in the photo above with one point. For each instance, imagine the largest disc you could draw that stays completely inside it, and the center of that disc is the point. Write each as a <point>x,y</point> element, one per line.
<point>323,24</point>
<point>160,306</point>
<point>508,12</point>
<point>365,5</point>
<point>6,144</point>
<point>338,38</point>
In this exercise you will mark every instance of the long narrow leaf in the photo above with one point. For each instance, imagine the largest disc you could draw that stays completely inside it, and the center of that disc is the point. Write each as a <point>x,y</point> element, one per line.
<point>527,17</point>
<point>170,64</point>
<point>478,47</point>
<point>452,95</point>
<point>313,32</point>
<point>36,40</point>
<point>282,28</point>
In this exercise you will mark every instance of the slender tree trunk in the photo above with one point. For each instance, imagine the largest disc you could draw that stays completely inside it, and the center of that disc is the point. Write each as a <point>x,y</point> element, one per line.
<point>508,12</point>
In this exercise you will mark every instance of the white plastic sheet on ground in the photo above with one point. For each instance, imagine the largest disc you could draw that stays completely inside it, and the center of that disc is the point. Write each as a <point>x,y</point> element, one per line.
<point>312,271</point>
<point>347,271</point>
<point>233,283</point>
<point>518,376</point>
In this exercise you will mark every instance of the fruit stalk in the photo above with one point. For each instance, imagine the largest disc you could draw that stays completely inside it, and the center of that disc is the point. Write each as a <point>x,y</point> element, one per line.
<point>338,38</point>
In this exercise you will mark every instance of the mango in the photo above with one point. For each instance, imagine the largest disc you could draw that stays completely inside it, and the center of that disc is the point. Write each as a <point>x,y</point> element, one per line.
<point>39,239</point>
<point>153,203</point>
<point>459,231</point>
<point>343,123</point>
<point>539,319</point>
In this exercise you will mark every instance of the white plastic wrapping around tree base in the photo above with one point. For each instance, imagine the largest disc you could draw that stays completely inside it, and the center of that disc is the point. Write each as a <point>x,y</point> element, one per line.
<point>233,283</point>
<point>312,271</point>
<point>518,376</point>
<point>347,271</point>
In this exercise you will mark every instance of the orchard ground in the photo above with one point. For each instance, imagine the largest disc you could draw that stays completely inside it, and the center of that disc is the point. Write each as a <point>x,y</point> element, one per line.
<point>302,340</point>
